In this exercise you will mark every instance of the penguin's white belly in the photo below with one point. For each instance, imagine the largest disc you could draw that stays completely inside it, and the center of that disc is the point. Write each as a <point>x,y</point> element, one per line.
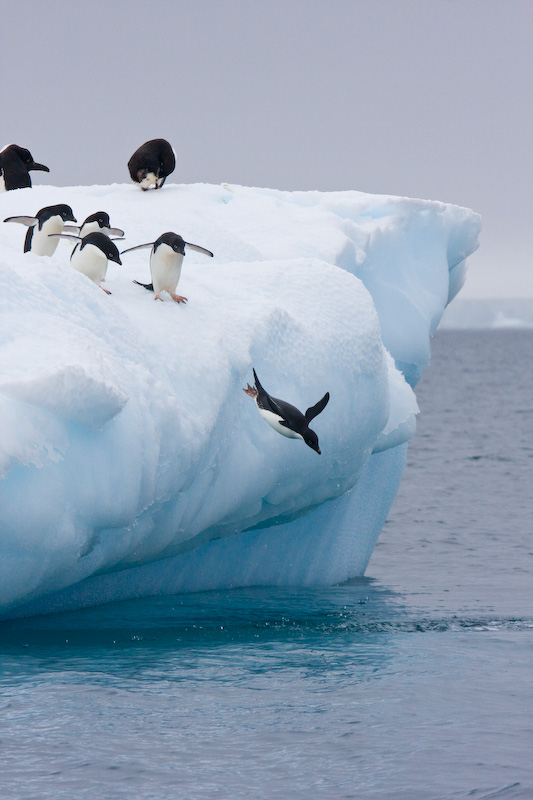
<point>148,181</point>
<point>41,244</point>
<point>90,227</point>
<point>2,184</point>
<point>165,268</point>
<point>275,422</point>
<point>91,262</point>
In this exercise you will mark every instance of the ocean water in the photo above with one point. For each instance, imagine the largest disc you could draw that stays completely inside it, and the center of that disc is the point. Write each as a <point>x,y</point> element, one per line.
<point>413,683</point>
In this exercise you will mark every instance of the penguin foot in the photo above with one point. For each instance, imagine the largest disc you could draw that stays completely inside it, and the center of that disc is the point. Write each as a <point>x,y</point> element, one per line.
<point>158,297</point>
<point>251,391</point>
<point>178,298</point>
<point>105,290</point>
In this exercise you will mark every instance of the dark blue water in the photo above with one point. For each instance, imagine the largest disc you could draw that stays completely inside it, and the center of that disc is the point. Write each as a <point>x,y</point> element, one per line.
<point>413,683</point>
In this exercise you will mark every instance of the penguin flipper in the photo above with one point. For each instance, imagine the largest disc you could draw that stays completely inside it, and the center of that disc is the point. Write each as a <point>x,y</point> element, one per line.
<point>137,247</point>
<point>71,229</point>
<point>199,249</point>
<point>29,221</point>
<point>149,286</point>
<point>114,232</point>
<point>71,236</point>
<point>28,239</point>
<point>315,410</point>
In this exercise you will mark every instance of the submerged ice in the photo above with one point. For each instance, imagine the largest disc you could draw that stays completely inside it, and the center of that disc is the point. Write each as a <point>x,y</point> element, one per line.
<point>132,463</point>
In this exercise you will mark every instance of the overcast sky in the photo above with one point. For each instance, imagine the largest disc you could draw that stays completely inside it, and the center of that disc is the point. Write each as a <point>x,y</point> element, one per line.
<point>424,98</point>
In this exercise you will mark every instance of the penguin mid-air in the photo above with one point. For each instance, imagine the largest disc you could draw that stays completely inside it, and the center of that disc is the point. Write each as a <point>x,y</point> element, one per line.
<point>49,220</point>
<point>166,259</point>
<point>15,165</point>
<point>91,255</point>
<point>97,222</point>
<point>284,418</point>
<point>152,163</point>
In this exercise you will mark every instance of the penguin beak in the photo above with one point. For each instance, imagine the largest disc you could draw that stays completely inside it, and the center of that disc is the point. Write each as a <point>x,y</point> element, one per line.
<point>39,167</point>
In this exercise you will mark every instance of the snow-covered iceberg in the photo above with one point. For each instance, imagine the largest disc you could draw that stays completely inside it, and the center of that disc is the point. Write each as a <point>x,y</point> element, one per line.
<point>131,461</point>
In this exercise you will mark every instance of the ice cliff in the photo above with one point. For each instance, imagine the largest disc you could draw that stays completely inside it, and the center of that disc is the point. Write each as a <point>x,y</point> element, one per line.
<point>131,461</point>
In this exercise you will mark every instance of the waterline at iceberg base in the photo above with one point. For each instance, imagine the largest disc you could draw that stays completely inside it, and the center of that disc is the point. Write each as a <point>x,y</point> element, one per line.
<point>131,461</point>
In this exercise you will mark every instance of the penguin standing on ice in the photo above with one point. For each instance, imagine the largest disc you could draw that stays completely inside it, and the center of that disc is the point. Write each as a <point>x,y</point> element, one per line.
<point>91,255</point>
<point>15,165</point>
<point>152,163</point>
<point>284,418</point>
<point>49,220</point>
<point>166,259</point>
<point>97,222</point>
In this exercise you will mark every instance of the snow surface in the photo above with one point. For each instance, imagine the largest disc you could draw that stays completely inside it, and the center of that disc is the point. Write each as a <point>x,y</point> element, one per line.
<point>131,461</point>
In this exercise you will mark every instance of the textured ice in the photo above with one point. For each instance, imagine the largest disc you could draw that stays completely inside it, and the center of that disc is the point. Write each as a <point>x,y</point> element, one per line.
<point>131,461</point>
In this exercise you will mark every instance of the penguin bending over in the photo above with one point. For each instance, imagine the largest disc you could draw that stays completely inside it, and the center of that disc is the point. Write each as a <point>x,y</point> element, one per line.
<point>152,163</point>
<point>49,220</point>
<point>283,417</point>
<point>91,255</point>
<point>166,259</point>
<point>15,165</point>
<point>94,223</point>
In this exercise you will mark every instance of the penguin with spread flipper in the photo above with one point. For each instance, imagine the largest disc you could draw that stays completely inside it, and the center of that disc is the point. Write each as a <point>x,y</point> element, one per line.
<point>91,255</point>
<point>95,223</point>
<point>48,220</point>
<point>166,259</point>
<point>285,418</point>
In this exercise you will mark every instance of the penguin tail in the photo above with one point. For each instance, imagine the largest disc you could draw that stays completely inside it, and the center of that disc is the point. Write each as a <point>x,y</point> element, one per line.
<point>149,286</point>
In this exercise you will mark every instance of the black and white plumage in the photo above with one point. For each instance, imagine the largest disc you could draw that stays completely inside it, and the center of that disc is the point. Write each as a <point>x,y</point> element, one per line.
<point>91,255</point>
<point>166,259</point>
<point>152,163</point>
<point>48,220</point>
<point>285,418</point>
<point>94,223</point>
<point>15,165</point>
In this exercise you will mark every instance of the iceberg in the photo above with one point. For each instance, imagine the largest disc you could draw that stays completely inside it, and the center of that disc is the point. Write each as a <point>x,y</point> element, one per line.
<point>131,461</point>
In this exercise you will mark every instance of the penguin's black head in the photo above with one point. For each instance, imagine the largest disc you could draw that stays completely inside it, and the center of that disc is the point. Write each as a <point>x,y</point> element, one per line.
<point>66,213</point>
<point>172,240</point>
<point>61,210</point>
<point>311,440</point>
<point>25,156</point>
<point>103,243</point>
<point>101,217</point>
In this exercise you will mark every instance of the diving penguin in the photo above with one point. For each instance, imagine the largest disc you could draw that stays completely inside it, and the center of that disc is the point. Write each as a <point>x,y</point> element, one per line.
<point>285,418</point>
<point>49,220</point>
<point>94,223</point>
<point>15,165</point>
<point>152,163</point>
<point>91,255</point>
<point>166,259</point>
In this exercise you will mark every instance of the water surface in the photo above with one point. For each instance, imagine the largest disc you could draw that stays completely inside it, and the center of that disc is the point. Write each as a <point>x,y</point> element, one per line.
<point>413,683</point>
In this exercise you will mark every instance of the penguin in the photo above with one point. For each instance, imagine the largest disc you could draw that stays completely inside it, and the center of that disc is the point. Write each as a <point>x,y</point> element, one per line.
<point>284,418</point>
<point>91,254</point>
<point>15,165</point>
<point>152,163</point>
<point>166,259</point>
<point>99,221</point>
<point>49,220</point>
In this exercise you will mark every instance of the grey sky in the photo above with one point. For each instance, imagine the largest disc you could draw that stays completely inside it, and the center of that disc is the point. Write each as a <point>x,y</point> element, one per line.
<point>425,98</point>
